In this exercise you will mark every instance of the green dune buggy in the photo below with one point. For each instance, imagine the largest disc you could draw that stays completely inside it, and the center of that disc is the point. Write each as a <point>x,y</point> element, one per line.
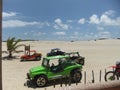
<point>55,67</point>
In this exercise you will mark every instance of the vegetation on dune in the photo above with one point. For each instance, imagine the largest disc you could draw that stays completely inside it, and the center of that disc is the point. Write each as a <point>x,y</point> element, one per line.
<point>12,45</point>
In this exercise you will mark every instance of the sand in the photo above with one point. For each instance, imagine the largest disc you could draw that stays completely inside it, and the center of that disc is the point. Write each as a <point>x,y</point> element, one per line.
<point>99,55</point>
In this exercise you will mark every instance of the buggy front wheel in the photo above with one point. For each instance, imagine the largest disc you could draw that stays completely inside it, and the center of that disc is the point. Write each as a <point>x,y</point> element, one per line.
<point>41,81</point>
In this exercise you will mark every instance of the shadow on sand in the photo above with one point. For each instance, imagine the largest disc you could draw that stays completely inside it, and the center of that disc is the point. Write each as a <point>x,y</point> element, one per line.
<point>60,82</point>
<point>8,58</point>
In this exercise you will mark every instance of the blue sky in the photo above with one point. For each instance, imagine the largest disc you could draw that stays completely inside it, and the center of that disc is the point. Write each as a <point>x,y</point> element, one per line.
<point>61,19</point>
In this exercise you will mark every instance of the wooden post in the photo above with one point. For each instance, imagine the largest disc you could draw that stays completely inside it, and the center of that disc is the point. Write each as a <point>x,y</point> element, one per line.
<point>69,81</point>
<point>85,77</point>
<point>66,81</point>
<point>105,71</point>
<point>1,44</point>
<point>93,80</point>
<point>27,49</point>
<point>24,50</point>
<point>54,83</point>
<point>76,83</point>
<point>100,76</point>
<point>60,82</point>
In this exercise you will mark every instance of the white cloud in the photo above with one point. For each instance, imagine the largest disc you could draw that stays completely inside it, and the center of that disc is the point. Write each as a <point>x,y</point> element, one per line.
<point>76,33</point>
<point>47,23</point>
<point>81,21</point>
<point>105,19</point>
<point>25,33</point>
<point>39,33</point>
<point>59,33</point>
<point>108,21</point>
<point>73,37</point>
<point>118,20</point>
<point>59,25</point>
<point>105,34</point>
<point>18,23</point>
<point>110,13</point>
<point>100,28</point>
<point>10,21</point>
<point>10,14</point>
<point>94,19</point>
<point>56,26</point>
<point>33,33</point>
<point>59,21</point>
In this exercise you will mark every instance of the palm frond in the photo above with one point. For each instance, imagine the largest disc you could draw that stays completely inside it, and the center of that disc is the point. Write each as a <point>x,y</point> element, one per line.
<point>12,45</point>
<point>10,42</point>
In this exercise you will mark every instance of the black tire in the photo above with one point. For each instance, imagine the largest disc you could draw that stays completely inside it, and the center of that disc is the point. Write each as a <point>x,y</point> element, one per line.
<point>110,76</point>
<point>41,81</point>
<point>76,76</point>
<point>38,58</point>
<point>23,59</point>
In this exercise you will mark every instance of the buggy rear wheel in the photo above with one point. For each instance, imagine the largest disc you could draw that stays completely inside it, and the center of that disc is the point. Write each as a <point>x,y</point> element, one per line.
<point>23,59</point>
<point>76,76</point>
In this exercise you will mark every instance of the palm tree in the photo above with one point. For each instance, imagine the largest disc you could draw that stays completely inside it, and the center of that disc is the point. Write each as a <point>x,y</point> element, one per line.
<point>12,45</point>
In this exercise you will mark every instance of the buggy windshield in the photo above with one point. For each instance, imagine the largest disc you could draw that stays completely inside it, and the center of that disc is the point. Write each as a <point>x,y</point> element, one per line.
<point>45,62</point>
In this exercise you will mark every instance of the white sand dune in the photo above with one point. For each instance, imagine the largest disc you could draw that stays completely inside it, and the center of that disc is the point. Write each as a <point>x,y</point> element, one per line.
<point>98,55</point>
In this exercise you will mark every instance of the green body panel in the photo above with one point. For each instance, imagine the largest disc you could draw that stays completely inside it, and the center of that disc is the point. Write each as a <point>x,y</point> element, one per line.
<point>37,71</point>
<point>64,73</point>
<point>42,70</point>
